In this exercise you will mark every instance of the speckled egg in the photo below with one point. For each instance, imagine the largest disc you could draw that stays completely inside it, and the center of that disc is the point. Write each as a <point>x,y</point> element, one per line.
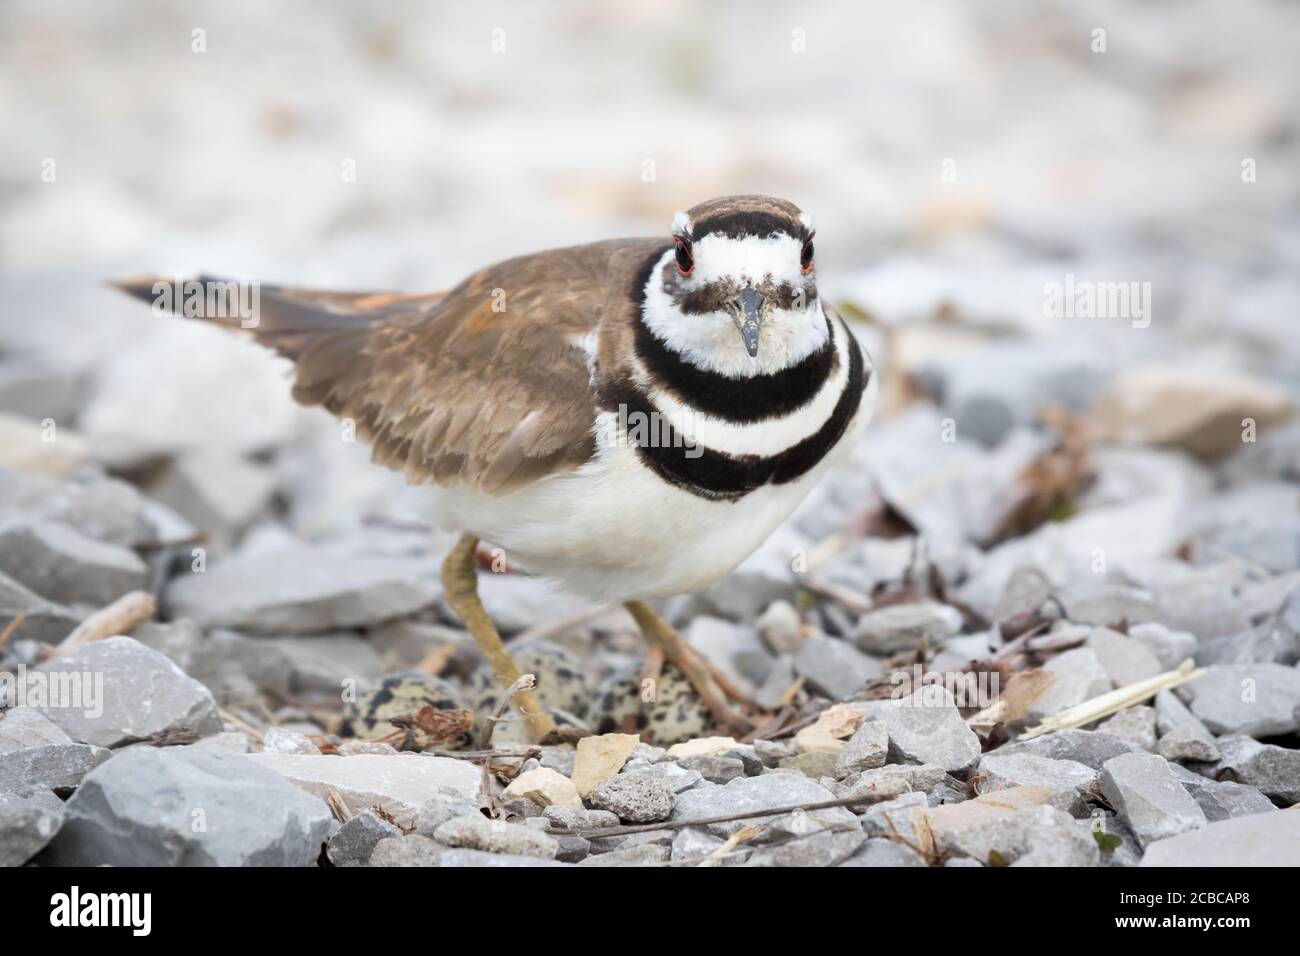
<point>561,683</point>
<point>368,717</point>
<point>676,714</point>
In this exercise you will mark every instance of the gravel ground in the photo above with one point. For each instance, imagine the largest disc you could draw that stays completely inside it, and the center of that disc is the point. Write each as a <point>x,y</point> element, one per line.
<point>221,606</point>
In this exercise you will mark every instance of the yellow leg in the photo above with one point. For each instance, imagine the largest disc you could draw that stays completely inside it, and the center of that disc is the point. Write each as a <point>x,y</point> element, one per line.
<point>667,642</point>
<point>460,579</point>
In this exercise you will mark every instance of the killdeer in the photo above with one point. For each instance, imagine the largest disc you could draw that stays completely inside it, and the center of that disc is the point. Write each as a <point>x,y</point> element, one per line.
<point>630,418</point>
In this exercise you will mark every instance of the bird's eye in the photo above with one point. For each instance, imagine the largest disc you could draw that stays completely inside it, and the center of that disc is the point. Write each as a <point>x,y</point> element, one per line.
<point>806,256</point>
<point>685,261</point>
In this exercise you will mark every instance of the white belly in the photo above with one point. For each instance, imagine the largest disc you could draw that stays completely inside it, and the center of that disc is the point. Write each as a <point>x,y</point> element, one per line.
<point>613,530</point>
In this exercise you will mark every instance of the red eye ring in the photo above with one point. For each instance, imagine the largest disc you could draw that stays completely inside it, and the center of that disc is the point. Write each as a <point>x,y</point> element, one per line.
<point>685,260</point>
<point>806,256</point>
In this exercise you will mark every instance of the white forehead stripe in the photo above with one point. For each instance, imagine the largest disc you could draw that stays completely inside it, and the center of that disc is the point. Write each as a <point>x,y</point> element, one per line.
<point>752,258</point>
<point>682,224</point>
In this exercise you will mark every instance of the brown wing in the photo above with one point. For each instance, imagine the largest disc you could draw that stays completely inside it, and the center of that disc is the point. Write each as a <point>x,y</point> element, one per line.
<point>488,386</point>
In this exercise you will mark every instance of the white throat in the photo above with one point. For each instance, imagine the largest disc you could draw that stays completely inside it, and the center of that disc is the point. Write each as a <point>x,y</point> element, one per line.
<point>710,341</point>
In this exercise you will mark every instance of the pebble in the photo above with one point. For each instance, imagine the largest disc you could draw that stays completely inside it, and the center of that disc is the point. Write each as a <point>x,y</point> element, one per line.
<point>1261,839</point>
<point>1092,748</point>
<point>42,620</point>
<point>882,852</point>
<point>67,567</point>
<point>600,757</point>
<point>1182,735</point>
<point>128,692</point>
<point>174,806</point>
<point>746,794</point>
<point>476,832</point>
<point>295,588</point>
<point>1273,770</point>
<point>1124,660</point>
<point>445,804</point>
<point>36,753</point>
<point>1148,797</point>
<point>1079,676</point>
<point>901,627</point>
<point>893,780</point>
<point>579,817</point>
<point>27,825</point>
<point>400,785</point>
<point>865,750</point>
<point>1170,647</point>
<point>780,628</point>
<point>1259,700</point>
<point>355,840</point>
<point>1137,725</point>
<point>638,797</point>
<point>1068,781</point>
<point>413,849</point>
<point>834,667</point>
<point>714,768</point>
<point>280,741</point>
<point>642,854</point>
<point>927,728</point>
<point>544,787</point>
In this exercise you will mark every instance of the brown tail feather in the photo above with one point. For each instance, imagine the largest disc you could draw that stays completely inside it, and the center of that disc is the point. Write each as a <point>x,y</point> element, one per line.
<point>285,319</point>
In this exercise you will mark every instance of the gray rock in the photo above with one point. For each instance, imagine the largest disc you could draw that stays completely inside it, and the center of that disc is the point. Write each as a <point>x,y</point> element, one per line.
<point>66,566</point>
<point>882,852</point>
<point>866,749</point>
<point>1182,735</point>
<point>476,832</point>
<point>214,490</point>
<point>1148,797</point>
<point>1092,748</point>
<point>102,508</point>
<point>1261,839</point>
<point>1068,781</point>
<point>175,807</point>
<point>36,753</point>
<point>691,845</point>
<point>1259,700</point>
<point>119,691</point>
<point>1266,643</point>
<point>1137,725</point>
<point>27,825</point>
<point>299,589</point>
<point>899,627</point>
<point>927,728</point>
<point>893,780</point>
<point>1031,836</point>
<point>714,768</point>
<point>1105,828</point>
<point>356,839</point>
<point>748,794</point>
<point>413,849</point>
<point>641,854</point>
<point>893,818</point>
<point>1170,647</point>
<point>1225,799</point>
<point>818,847</point>
<point>447,803</point>
<point>237,669</point>
<point>579,818</point>
<point>400,784</point>
<point>834,667</point>
<point>1124,660</point>
<point>42,621</point>
<point>780,628</point>
<point>478,858</point>
<point>1274,770</point>
<point>637,797</point>
<point>229,742</point>
<point>1079,676</point>
<point>278,740</point>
